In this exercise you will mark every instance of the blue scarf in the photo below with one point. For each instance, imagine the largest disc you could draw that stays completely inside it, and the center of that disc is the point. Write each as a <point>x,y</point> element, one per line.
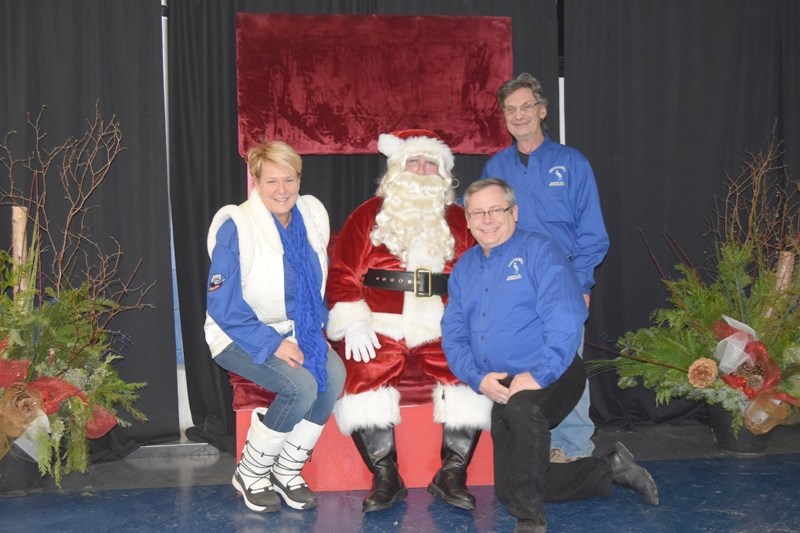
<point>308,303</point>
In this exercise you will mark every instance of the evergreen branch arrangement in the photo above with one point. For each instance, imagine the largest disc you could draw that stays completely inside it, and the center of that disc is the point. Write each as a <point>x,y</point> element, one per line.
<point>730,334</point>
<point>58,298</point>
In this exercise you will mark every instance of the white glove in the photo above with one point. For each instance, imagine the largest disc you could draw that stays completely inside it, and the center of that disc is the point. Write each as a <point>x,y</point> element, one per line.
<point>360,342</point>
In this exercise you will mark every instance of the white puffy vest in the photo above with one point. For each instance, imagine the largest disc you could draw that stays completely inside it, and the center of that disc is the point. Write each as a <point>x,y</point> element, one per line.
<point>261,260</point>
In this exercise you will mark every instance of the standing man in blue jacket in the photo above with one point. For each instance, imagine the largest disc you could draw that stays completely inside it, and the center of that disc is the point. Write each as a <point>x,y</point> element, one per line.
<point>511,331</point>
<point>557,196</point>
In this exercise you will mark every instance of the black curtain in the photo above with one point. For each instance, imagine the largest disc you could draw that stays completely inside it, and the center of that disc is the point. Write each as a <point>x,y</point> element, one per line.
<point>667,100</point>
<point>72,57</point>
<point>207,172</point>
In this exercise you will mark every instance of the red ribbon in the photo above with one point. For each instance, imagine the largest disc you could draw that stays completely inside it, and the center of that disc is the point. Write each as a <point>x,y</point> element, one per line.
<point>55,391</point>
<point>772,372</point>
<point>723,330</point>
<point>12,371</point>
<point>738,382</point>
<point>786,398</point>
<point>757,352</point>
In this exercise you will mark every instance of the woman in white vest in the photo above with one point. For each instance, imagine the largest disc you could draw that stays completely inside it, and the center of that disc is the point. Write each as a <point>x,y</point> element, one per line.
<point>265,321</point>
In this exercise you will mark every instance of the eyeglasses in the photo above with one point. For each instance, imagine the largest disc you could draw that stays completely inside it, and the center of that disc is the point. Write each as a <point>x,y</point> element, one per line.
<point>422,165</point>
<point>494,212</point>
<point>526,109</point>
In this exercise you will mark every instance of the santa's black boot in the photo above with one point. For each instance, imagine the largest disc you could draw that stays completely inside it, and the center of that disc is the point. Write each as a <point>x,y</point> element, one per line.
<point>377,449</point>
<point>450,482</point>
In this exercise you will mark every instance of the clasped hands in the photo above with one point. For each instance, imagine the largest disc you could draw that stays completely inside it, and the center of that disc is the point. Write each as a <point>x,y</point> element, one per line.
<point>497,392</point>
<point>360,342</point>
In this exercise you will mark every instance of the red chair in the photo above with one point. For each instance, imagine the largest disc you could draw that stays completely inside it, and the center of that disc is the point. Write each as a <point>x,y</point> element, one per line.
<point>336,465</point>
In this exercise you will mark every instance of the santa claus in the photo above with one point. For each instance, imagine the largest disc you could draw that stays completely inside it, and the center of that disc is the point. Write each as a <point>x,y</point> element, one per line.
<point>386,287</point>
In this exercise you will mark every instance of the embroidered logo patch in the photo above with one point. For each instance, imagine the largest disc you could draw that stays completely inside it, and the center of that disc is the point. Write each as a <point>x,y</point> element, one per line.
<point>216,282</point>
<point>514,264</point>
<point>557,172</point>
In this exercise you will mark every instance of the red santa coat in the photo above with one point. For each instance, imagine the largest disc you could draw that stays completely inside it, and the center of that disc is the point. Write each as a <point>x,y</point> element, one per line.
<point>410,358</point>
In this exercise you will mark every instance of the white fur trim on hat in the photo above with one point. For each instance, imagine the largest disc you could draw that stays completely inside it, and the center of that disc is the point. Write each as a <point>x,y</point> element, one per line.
<point>460,407</point>
<point>378,408</point>
<point>397,150</point>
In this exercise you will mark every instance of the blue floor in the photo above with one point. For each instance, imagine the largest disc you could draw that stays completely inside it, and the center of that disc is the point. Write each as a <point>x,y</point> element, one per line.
<point>722,494</point>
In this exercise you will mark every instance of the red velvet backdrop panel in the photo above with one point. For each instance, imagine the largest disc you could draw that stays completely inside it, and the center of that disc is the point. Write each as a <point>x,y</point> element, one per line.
<point>330,84</point>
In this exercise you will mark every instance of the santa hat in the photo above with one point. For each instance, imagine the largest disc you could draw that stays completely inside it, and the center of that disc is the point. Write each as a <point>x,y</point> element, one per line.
<point>397,146</point>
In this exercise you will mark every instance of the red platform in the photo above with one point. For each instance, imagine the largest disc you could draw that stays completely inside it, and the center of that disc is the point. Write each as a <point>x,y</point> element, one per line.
<point>336,465</point>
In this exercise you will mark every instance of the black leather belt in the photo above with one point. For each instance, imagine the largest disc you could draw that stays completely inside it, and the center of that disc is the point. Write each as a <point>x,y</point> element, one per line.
<point>421,282</point>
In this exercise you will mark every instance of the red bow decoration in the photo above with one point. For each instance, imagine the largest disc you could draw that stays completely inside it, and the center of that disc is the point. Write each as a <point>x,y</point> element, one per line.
<point>723,330</point>
<point>12,371</point>
<point>764,373</point>
<point>54,391</point>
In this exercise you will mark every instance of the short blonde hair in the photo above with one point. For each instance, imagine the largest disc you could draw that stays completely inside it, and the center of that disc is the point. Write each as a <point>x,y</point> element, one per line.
<point>275,152</point>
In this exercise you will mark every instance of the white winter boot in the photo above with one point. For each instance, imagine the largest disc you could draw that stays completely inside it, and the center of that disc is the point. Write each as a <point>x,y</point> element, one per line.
<point>252,475</point>
<point>286,476</point>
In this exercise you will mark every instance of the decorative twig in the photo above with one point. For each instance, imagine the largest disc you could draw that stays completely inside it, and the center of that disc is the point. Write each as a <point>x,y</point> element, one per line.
<point>677,251</point>
<point>62,324</point>
<point>652,255</point>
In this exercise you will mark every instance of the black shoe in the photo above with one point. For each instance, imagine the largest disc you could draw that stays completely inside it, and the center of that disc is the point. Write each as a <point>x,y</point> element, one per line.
<point>377,449</point>
<point>387,491</point>
<point>628,474</point>
<point>260,500</point>
<point>298,497</point>
<point>451,487</point>
<point>530,526</point>
<point>450,482</point>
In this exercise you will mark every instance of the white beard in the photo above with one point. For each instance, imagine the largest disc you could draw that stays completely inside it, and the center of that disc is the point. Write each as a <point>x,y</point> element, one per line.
<point>412,217</point>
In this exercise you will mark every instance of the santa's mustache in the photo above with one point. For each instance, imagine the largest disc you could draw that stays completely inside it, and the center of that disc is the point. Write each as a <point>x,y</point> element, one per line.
<point>418,184</point>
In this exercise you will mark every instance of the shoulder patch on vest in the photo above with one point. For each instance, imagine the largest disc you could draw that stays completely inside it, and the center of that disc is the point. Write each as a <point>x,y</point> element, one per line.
<point>216,282</point>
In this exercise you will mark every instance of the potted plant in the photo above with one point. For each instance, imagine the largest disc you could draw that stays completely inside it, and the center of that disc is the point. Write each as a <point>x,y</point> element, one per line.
<point>730,335</point>
<point>58,298</point>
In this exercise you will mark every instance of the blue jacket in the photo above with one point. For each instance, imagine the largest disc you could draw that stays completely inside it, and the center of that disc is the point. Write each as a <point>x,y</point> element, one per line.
<point>557,195</point>
<point>518,310</point>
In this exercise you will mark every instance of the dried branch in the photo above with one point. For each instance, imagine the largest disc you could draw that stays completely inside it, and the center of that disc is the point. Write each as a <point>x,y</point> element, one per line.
<point>677,251</point>
<point>652,255</point>
<point>761,208</point>
<point>80,166</point>
<point>60,320</point>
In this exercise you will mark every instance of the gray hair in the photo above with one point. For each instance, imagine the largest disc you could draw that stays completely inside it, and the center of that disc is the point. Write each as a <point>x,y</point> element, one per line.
<point>523,81</point>
<point>480,185</point>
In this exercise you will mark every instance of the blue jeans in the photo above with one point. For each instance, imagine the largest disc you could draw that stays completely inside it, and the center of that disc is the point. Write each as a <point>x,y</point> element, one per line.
<point>573,435</point>
<point>296,392</point>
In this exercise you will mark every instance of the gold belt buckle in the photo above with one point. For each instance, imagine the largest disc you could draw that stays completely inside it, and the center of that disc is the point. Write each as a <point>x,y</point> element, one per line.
<point>417,292</point>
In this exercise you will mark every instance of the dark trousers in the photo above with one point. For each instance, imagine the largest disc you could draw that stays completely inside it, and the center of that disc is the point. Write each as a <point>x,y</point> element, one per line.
<point>524,478</point>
